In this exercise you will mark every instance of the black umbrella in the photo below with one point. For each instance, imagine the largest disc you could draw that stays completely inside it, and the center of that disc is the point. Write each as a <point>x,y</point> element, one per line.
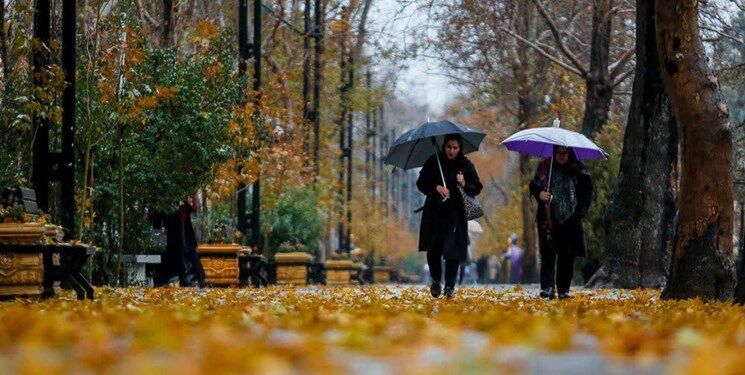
<point>415,146</point>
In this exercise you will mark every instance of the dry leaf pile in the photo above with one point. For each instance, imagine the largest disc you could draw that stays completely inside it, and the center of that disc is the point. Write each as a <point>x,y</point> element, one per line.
<point>361,329</point>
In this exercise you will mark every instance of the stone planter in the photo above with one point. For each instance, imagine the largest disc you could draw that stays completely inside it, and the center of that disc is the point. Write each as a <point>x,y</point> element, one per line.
<point>340,272</point>
<point>220,263</point>
<point>21,273</point>
<point>22,233</point>
<point>382,274</point>
<point>21,270</point>
<point>292,268</point>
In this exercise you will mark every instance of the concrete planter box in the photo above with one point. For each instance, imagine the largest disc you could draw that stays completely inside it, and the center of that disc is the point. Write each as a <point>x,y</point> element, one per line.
<point>21,273</point>
<point>340,272</point>
<point>220,263</point>
<point>22,233</point>
<point>21,270</point>
<point>292,268</point>
<point>382,274</point>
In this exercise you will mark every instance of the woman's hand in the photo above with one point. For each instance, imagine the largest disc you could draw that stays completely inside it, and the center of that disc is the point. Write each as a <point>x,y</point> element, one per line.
<point>443,191</point>
<point>545,196</point>
<point>461,180</point>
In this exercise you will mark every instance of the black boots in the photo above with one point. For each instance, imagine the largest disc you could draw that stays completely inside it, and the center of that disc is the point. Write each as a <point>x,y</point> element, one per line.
<point>449,291</point>
<point>435,289</point>
<point>547,293</point>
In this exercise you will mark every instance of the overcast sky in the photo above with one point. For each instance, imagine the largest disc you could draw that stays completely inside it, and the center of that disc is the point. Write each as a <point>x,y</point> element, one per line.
<point>420,81</point>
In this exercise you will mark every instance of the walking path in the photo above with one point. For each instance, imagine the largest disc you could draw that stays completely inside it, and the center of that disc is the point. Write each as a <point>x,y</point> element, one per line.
<point>369,330</point>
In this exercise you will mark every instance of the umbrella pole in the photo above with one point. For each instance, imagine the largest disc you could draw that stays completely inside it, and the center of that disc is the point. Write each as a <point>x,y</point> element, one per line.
<point>550,171</point>
<point>437,156</point>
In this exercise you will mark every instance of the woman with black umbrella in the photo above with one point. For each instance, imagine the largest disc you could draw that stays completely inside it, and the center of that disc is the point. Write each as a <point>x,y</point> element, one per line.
<point>444,229</point>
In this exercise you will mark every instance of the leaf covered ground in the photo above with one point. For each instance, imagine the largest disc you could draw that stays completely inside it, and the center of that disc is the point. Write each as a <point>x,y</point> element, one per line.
<point>378,329</point>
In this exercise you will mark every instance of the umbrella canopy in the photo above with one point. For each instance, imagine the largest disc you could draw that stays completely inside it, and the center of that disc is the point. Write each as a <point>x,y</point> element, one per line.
<point>540,142</point>
<point>413,147</point>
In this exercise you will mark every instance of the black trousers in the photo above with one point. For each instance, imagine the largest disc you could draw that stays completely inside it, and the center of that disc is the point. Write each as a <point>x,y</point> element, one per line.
<point>557,264</point>
<point>434,260</point>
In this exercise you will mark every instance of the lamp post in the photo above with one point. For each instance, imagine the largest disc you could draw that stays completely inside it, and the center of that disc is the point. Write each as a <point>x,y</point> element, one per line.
<point>256,190</point>
<point>245,54</point>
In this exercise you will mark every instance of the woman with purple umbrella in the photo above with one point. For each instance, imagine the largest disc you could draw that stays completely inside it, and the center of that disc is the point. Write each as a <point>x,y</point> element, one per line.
<point>563,188</point>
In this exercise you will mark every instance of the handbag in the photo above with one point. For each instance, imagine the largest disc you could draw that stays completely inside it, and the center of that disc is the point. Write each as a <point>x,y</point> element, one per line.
<point>471,205</point>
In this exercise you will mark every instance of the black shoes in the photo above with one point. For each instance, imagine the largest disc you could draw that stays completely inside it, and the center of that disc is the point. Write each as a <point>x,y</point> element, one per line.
<point>449,291</point>
<point>435,290</point>
<point>547,293</point>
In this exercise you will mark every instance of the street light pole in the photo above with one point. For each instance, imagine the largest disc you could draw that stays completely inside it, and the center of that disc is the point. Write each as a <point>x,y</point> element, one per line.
<point>245,54</point>
<point>350,164</point>
<point>67,156</point>
<point>306,77</point>
<point>343,96</point>
<point>256,191</point>
<point>317,75</point>
<point>40,171</point>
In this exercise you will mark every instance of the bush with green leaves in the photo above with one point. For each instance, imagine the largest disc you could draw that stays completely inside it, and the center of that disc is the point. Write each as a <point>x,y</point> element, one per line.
<point>295,219</point>
<point>170,155</point>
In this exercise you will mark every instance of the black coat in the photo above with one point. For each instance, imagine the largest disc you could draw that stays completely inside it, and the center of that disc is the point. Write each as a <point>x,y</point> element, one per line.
<point>569,234</point>
<point>444,226</point>
<point>180,258</point>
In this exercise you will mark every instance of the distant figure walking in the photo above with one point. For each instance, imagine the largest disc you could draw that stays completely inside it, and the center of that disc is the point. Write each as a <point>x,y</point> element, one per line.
<point>515,255</point>
<point>444,229</point>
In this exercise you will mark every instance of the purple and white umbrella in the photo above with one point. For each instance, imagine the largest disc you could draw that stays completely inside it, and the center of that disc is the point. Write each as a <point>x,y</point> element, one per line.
<point>540,142</point>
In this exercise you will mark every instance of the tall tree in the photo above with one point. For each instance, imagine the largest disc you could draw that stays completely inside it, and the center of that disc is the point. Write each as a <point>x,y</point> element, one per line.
<point>600,76</point>
<point>702,264</point>
<point>527,116</point>
<point>639,218</point>
<point>167,22</point>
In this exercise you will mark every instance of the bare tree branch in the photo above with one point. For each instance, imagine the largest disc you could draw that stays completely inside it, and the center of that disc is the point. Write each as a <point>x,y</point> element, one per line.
<point>617,67</point>
<point>731,72</point>
<point>144,14</point>
<point>545,54</point>
<point>622,77</point>
<point>559,41</point>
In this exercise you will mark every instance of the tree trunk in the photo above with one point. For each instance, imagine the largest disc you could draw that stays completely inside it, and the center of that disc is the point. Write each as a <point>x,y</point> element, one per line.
<point>639,218</point>
<point>740,290</point>
<point>167,32</point>
<point>527,108</point>
<point>599,91</point>
<point>702,264</point>
<point>3,48</point>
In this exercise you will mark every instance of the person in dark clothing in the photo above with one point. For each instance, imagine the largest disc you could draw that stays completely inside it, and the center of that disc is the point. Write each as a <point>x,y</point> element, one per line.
<point>444,230</point>
<point>181,258</point>
<point>561,209</point>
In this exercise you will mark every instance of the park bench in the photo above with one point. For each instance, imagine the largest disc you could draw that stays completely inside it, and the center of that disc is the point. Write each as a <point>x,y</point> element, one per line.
<point>252,269</point>
<point>140,265</point>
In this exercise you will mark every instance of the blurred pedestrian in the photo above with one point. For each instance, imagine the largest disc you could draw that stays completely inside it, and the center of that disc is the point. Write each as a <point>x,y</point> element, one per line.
<point>515,256</point>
